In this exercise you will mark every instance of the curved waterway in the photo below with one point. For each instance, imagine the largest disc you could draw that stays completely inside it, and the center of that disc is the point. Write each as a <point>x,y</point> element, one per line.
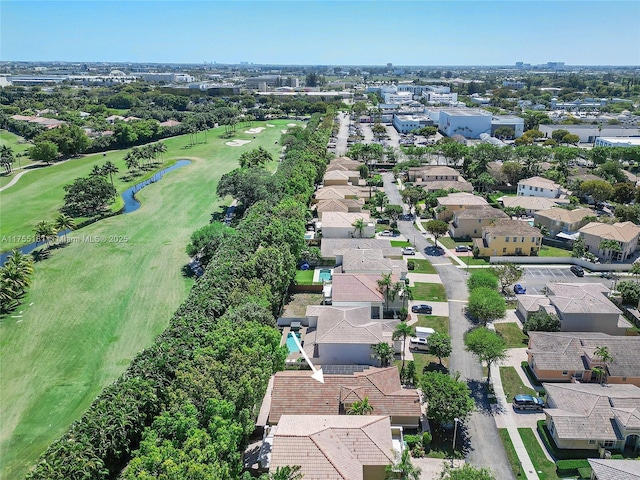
<point>131,204</point>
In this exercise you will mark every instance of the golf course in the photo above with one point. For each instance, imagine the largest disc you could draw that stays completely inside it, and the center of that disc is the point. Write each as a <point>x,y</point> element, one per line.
<point>98,300</point>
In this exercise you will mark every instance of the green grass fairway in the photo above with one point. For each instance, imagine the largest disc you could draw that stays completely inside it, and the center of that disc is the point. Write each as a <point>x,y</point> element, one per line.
<point>94,305</point>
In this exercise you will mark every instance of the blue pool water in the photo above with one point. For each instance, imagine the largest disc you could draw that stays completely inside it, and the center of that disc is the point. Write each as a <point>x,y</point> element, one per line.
<point>325,275</point>
<point>291,343</point>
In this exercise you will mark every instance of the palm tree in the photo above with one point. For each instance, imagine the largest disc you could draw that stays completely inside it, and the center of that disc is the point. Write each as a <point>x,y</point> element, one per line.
<point>18,276</point>
<point>44,232</point>
<point>402,468</point>
<point>599,371</point>
<point>605,357</point>
<point>359,226</point>
<point>110,169</point>
<point>362,407</point>
<point>64,223</point>
<point>612,245</point>
<point>161,147</point>
<point>286,473</point>
<point>402,331</point>
<point>635,270</point>
<point>383,352</point>
<point>131,160</point>
<point>384,284</point>
<point>97,171</point>
<point>8,294</point>
<point>6,157</point>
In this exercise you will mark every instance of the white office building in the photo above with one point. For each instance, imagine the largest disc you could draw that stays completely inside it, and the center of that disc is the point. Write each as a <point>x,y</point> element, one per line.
<point>398,97</point>
<point>468,122</point>
<point>435,97</point>
<point>617,142</point>
<point>408,123</point>
<point>510,121</point>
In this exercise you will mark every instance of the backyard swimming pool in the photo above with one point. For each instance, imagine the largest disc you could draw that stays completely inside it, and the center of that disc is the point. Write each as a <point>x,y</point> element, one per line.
<point>291,343</point>
<point>325,275</point>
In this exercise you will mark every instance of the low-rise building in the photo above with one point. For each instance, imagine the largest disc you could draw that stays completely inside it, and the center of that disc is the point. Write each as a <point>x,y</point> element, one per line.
<point>468,122</point>
<point>617,142</point>
<point>593,416</point>
<point>455,202</point>
<point>333,249</point>
<point>370,261</point>
<point>344,225</point>
<point>562,220</point>
<point>609,469</point>
<point>624,233</point>
<point>448,185</point>
<point>341,192</point>
<point>468,223</point>
<point>581,307</point>
<point>352,205</point>
<point>341,177</point>
<point>570,356</point>
<point>406,123</point>
<point>432,173</point>
<point>508,237</point>
<point>539,187</point>
<point>530,205</point>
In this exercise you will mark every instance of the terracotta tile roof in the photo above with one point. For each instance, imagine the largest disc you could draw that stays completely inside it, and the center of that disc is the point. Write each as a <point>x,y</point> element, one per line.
<point>606,469</point>
<point>564,215</point>
<point>502,228</point>
<point>296,393</point>
<point>585,410</point>
<point>170,123</point>
<point>343,325</point>
<point>571,351</point>
<point>622,231</point>
<point>331,446</point>
<point>349,287</point>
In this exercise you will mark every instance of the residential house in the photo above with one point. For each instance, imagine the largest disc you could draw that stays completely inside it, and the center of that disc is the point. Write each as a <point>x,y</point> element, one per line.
<point>468,223</point>
<point>342,225</point>
<point>454,202</point>
<point>539,187</point>
<point>358,447</point>
<point>341,192</point>
<point>341,177</point>
<point>343,163</point>
<point>438,185</point>
<point>508,237</point>
<point>346,205</point>
<point>625,233</point>
<point>432,173</point>
<point>593,416</point>
<point>581,307</point>
<point>352,290</point>
<point>530,205</point>
<point>335,248</point>
<point>570,356</point>
<point>363,260</point>
<point>561,220</point>
<point>609,469</point>
<point>294,392</point>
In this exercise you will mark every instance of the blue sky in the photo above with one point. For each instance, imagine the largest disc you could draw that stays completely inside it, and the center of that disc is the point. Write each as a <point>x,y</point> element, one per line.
<point>323,32</point>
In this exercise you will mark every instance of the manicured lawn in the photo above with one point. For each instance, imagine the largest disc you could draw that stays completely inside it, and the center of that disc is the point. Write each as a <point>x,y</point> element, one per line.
<point>547,251</point>
<point>94,305</point>
<point>439,324</point>
<point>433,292</point>
<point>512,456</point>
<point>304,277</point>
<point>424,360</point>
<point>422,266</point>
<point>400,243</point>
<point>512,383</point>
<point>451,243</point>
<point>545,468</point>
<point>512,334</point>
<point>476,261</point>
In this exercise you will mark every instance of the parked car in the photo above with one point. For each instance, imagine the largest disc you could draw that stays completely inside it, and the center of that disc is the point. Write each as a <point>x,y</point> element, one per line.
<point>408,251</point>
<point>418,344</point>
<point>424,309</point>
<point>577,270</point>
<point>383,221</point>
<point>527,402</point>
<point>519,289</point>
<point>386,233</point>
<point>462,248</point>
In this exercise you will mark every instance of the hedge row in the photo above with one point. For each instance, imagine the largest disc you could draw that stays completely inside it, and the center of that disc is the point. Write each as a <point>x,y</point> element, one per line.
<point>186,405</point>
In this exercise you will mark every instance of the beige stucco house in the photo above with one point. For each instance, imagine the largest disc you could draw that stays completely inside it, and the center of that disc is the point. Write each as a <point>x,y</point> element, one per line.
<point>432,173</point>
<point>354,290</point>
<point>562,220</point>
<point>593,416</point>
<point>339,205</point>
<point>625,233</point>
<point>570,356</point>
<point>341,177</point>
<point>610,469</point>
<point>508,237</point>
<point>341,225</point>
<point>581,307</point>
<point>468,223</point>
<point>454,202</point>
<point>531,205</point>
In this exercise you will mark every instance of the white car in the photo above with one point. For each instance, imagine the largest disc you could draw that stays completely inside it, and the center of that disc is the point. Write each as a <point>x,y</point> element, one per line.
<point>386,233</point>
<point>408,251</point>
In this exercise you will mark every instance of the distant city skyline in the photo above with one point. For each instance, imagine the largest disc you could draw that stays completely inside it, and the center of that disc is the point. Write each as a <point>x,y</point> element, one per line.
<point>450,33</point>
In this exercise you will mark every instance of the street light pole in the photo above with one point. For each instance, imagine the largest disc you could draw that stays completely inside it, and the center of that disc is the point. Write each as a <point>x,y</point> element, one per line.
<point>455,430</point>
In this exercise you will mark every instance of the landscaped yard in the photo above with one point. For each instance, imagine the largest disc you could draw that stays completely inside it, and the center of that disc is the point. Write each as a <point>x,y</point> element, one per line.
<point>512,456</point>
<point>94,305</point>
<point>400,243</point>
<point>545,468</point>
<point>512,383</point>
<point>439,324</point>
<point>304,277</point>
<point>547,251</point>
<point>422,266</point>
<point>451,243</point>
<point>484,261</point>
<point>511,334</point>
<point>431,292</point>
<point>421,359</point>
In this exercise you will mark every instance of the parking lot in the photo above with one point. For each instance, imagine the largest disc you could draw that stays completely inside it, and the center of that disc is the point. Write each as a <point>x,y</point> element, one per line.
<point>535,278</point>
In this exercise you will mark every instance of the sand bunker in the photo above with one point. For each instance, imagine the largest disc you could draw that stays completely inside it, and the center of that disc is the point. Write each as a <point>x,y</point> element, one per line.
<point>237,143</point>
<point>269,125</point>
<point>292,124</point>
<point>255,130</point>
<point>283,131</point>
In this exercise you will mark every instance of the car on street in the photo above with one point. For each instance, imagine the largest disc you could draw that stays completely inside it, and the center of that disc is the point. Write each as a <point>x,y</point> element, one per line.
<point>462,248</point>
<point>386,233</point>
<point>408,251</point>
<point>577,270</point>
<point>424,309</point>
<point>527,402</point>
<point>519,289</point>
<point>383,221</point>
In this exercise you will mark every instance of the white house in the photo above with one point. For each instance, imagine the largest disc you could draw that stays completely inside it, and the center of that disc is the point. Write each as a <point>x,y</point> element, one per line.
<point>341,225</point>
<point>539,187</point>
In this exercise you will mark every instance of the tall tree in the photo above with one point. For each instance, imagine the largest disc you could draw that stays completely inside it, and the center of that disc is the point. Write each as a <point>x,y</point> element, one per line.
<point>402,332</point>
<point>358,227</point>
<point>402,468</point>
<point>45,151</point>
<point>437,228</point>
<point>6,158</point>
<point>360,407</point>
<point>447,397</point>
<point>439,345</point>
<point>383,352</point>
<point>45,232</point>
<point>486,304</point>
<point>604,354</point>
<point>109,168</point>
<point>64,223</point>
<point>508,274</point>
<point>609,247</point>
<point>384,285</point>
<point>88,196</point>
<point>487,345</point>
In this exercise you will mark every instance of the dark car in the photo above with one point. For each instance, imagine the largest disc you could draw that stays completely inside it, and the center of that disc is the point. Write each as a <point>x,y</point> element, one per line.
<point>383,221</point>
<point>527,402</point>
<point>421,309</point>
<point>577,270</point>
<point>519,289</point>
<point>462,248</point>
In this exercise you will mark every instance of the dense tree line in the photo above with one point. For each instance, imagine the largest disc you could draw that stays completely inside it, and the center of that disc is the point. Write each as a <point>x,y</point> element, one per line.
<point>186,405</point>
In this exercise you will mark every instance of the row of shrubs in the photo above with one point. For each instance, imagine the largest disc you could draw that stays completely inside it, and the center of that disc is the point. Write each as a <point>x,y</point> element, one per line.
<point>186,406</point>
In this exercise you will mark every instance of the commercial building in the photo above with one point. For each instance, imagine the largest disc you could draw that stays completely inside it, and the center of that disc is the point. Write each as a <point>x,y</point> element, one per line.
<point>405,123</point>
<point>589,133</point>
<point>514,123</point>
<point>468,122</point>
<point>617,142</point>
